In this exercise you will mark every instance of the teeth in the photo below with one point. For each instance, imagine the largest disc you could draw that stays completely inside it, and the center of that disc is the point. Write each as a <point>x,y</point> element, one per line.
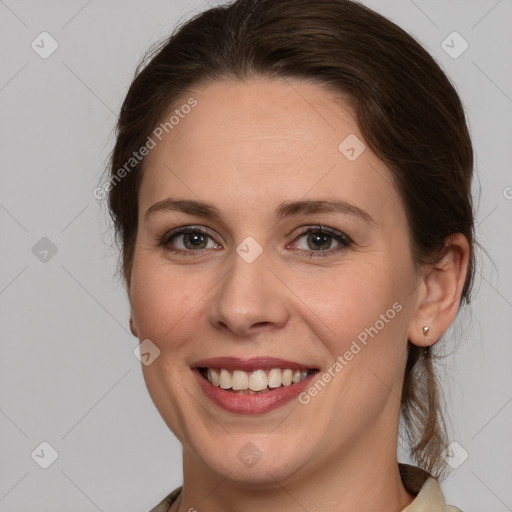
<point>300,375</point>
<point>224,379</point>
<point>274,378</point>
<point>213,377</point>
<point>286,377</point>
<point>256,381</point>
<point>240,380</point>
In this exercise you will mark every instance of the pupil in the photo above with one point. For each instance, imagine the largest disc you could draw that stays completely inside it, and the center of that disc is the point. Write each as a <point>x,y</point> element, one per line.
<point>321,240</point>
<point>196,240</point>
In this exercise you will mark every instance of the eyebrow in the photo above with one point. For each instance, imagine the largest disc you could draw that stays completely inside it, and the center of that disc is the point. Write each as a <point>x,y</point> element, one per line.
<point>285,209</point>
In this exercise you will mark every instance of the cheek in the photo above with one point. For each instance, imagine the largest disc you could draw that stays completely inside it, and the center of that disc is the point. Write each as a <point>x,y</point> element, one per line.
<point>361,315</point>
<point>350,299</point>
<point>162,299</point>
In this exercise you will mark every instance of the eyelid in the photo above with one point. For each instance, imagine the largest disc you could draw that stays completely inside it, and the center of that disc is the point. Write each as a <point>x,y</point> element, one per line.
<point>168,235</point>
<point>344,240</point>
<point>322,229</point>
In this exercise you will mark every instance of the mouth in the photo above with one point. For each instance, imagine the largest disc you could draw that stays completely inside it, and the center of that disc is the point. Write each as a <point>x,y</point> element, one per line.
<point>252,386</point>
<point>259,381</point>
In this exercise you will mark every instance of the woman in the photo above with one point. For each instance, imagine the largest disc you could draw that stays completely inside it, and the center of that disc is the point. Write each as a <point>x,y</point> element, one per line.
<point>291,188</point>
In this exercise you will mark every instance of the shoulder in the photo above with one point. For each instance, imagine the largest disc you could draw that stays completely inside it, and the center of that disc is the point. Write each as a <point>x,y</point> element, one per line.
<point>164,505</point>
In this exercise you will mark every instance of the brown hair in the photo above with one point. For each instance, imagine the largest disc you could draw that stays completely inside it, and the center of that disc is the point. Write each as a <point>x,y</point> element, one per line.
<point>408,112</point>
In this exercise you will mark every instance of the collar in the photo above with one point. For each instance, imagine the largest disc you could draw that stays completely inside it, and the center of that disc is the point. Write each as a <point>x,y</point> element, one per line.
<point>429,496</point>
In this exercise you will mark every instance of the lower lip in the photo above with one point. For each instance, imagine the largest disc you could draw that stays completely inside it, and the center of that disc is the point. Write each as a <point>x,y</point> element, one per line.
<point>251,404</point>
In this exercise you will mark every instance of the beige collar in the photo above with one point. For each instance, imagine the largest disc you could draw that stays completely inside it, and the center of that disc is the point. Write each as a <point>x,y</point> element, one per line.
<point>430,499</point>
<point>429,496</point>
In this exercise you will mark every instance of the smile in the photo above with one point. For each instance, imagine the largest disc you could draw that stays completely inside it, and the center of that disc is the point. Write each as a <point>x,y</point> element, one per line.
<point>258,381</point>
<point>252,386</point>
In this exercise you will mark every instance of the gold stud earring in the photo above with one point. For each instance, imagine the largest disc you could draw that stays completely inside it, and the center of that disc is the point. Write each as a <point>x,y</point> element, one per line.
<point>425,331</point>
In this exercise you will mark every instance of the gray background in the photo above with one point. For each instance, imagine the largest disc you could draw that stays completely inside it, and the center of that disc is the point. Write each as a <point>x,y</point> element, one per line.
<point>68,374</point>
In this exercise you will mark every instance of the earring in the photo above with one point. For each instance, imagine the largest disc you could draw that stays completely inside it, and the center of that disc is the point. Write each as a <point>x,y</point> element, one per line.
<point>425,331</point>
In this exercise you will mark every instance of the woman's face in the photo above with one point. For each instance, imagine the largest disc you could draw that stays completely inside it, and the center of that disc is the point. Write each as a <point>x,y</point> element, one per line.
<point>296,249</point>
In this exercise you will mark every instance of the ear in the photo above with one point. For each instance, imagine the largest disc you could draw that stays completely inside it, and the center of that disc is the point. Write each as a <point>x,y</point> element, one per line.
<point>440,292</point>
<point>133,329</point>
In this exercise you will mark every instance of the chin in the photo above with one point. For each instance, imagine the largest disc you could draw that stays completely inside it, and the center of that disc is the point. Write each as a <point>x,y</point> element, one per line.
<point>255,459</point>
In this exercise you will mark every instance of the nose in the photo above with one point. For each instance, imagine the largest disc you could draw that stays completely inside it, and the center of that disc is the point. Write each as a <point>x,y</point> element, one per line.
<point>250,298</point>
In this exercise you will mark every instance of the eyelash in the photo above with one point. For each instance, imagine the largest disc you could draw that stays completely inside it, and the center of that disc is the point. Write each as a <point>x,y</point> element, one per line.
<point>343,239</point>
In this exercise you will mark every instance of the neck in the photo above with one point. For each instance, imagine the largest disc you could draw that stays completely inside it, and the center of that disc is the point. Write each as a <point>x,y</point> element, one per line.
<point>346,482</point>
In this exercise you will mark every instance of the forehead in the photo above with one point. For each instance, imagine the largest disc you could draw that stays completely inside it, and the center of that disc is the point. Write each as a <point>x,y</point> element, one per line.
<point>236,115</point>
<point>265,141</point>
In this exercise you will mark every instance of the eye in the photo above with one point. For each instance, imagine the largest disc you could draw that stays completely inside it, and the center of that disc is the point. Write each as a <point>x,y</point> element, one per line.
<point>320,239</point>
<point>315,241</point>
<point>188,239</point>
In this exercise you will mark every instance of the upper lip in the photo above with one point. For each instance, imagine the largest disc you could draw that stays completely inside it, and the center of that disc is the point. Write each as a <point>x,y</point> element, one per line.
<point>251,364</point>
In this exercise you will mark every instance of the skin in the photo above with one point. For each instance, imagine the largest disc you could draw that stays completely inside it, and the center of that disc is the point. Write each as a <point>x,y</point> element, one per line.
<point>246,148</point>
